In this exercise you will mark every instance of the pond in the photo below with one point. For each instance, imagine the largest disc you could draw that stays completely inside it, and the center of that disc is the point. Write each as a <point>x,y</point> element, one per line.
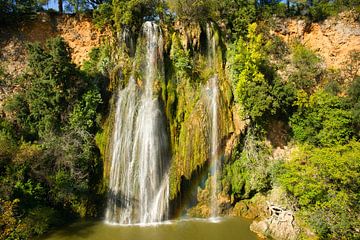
<point>185,229</point>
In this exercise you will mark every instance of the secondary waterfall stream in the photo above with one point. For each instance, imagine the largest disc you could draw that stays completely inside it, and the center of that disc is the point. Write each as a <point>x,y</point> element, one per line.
<point>139,177</point>
<point>213,82</point>
<point>139,182</point>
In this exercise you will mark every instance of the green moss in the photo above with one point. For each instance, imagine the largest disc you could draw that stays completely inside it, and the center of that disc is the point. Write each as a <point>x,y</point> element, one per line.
<point>187,107</point>
<point>102,140</point>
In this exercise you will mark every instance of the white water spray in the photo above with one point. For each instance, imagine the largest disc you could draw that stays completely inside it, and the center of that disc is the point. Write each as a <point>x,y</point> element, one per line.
<point>214,158</point>
<point>139,182</point>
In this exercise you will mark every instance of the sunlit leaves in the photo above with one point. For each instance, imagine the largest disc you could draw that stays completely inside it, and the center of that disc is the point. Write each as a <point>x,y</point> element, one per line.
<point>325,184</point>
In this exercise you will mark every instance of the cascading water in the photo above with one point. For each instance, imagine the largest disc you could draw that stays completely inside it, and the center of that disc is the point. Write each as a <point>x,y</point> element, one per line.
<point>139,182</point>
<point>213,81</point>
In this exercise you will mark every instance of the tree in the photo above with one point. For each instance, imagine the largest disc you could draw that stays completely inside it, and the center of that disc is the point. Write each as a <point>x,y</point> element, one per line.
<point>238,14</point>
<point>48,157</point>
<point>307,68</point>
<point>251,88</point>
<point>60,6</point>
<point>131,13</point>
<point>354,99</point>
<point>194,10</point>
<point>325,184</point>
<point>55,84</point>
<point>255,85</point>
<point>323,120</point>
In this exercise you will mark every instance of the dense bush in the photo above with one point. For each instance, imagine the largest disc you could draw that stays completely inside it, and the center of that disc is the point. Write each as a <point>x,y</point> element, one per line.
<point>102,16</point>
<point>307,68</point>
<point>251,170</point>
<point>192,10</point>
<point>323,119</point>
<point>49,161</point>
<point>325,186</point>
<point>131,13</point>
<point>255,84</point>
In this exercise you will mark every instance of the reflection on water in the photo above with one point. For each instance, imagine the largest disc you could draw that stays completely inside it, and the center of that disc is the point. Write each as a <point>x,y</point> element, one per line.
<point>186,229</point>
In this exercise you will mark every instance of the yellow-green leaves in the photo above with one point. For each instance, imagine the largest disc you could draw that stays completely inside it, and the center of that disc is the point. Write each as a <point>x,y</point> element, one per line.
<point>325,185</point>
<point>247,61</point>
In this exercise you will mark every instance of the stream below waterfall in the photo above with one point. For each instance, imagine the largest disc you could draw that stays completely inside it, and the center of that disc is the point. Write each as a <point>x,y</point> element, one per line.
<point>186,229</point>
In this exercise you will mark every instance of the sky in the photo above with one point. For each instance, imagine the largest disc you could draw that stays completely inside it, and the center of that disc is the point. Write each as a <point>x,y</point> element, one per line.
<point>52,4</point>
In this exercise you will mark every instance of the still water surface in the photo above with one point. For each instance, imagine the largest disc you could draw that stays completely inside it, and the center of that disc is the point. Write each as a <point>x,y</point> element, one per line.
<point>188,229</point>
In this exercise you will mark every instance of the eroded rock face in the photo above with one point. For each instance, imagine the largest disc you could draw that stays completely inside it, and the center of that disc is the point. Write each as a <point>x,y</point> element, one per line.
<point>79,32</point>
<point>81,35</point>
<point>334,39</point>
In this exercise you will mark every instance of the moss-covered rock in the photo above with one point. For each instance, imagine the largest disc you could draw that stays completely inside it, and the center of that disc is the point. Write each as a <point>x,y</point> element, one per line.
<point>188,107</point>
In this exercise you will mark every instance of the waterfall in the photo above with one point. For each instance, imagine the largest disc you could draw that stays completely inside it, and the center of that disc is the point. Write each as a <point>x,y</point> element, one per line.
<point>214,157</point>
<point>139,181</point>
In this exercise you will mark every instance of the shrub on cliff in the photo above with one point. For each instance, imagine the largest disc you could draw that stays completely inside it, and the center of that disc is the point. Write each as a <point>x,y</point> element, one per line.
<point>307,68</point>
<point>250,171</point>
<point>256,87</point>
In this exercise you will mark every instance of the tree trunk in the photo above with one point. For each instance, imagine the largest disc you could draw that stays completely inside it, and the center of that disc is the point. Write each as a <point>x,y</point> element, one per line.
<point>60,4</point>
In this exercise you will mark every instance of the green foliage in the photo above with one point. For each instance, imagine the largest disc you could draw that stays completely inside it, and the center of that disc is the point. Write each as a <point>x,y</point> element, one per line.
<point>12,11</point>
<point>322,120</point>
<point>85,113</point>
<point>8,221</point>
<point>76,6</point>
<point>320,9</point>
<point>99,62</point>
<point>354,90</point>
<point>37,222</point>
<point>325,185</point>
<point>236,14</point>
<point>131,13</point>
<point>248,81</point>
<point>17,105</point>
<point>193,10</point>
<point>26,194</point>
<point>29,192</point>
<point>8,143</point>
<point>307,68</point>
<point>55,83</point>
<point>58,169</point>
<point>180,58</point>
<point>354,99</point>
<point>253,81</point>
<point>5,78</point>
<point>240,14</point>
<point>102,16</point>
<point>20,6</point>
<point>251,171</point>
